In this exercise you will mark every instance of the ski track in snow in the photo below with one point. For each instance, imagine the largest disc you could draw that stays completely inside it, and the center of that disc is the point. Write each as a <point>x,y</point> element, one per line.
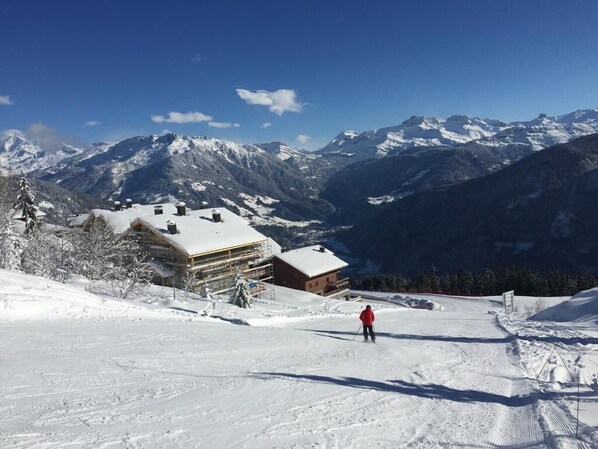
<point>432,380</point>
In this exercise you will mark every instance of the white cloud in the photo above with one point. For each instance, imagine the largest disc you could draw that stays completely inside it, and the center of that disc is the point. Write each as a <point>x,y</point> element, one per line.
<point>182,117</point>
<point>12,132</point>
<point>279,101</point>
<point>5,100</point>
<point>266,125</point>
<point>47,138</point>
<point>197,58</point>
<point>223,125</point>
<point>302,138</point>
<point>92,123</point>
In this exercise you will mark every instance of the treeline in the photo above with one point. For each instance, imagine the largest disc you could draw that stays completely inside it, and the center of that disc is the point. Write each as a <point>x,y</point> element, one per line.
<point>523,281</point>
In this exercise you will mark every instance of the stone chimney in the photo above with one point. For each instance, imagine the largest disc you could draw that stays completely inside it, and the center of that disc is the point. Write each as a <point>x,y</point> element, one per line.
<point>172,227</point>
<point>216,216</point>
<point>181,208</point>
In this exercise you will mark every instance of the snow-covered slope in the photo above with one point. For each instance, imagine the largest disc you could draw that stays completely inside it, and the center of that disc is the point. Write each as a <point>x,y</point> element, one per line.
<point>539,133</point>
<point>107,373</point>
<point>581,308</point>
<point>283,151</point>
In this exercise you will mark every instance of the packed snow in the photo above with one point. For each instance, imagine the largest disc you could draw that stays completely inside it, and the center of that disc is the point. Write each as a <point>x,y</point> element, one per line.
<point>173,370</point>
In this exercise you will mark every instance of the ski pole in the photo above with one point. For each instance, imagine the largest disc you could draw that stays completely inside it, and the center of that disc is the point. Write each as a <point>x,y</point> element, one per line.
<point>357,332</point>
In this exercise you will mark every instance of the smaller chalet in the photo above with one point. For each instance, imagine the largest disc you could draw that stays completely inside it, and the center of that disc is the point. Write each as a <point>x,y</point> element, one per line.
<point>312,269</point>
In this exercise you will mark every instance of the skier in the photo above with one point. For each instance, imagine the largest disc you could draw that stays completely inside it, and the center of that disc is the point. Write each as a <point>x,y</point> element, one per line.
<point>367,318</point>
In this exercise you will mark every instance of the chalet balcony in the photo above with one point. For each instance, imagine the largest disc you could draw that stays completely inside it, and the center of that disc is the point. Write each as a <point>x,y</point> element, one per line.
<point>335,287</point>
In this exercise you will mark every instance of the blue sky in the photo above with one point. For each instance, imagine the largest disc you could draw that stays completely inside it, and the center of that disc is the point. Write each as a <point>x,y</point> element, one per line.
<point>300,72</point>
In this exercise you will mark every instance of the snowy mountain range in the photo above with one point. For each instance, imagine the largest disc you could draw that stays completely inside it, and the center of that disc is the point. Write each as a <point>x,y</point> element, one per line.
<point>17,153</point>
<point>536,134</point>
<point>246,178</point>
<point>285,189</point>
<point>538,212</point>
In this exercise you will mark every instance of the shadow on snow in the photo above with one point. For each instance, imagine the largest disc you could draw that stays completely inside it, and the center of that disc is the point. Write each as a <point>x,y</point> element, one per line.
<point>457,339</point>
<point>428,391</point>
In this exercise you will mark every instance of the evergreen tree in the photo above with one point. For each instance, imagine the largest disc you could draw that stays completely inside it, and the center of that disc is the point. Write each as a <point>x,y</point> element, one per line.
<point>26,204</point>
<point>465,282</point>
<point>10,242</point>
<point>240,295</point>
<point>434,280</point>
<point>487,283</point>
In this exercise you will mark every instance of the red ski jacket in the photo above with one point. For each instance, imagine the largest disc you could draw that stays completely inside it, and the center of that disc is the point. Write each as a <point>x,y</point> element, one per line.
<point>367,317</point>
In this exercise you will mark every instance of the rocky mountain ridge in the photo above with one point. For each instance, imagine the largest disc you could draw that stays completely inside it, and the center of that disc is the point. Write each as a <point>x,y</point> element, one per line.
<point>536,134</point>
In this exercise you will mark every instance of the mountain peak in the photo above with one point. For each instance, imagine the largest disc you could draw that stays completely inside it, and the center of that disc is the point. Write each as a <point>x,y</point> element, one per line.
<point>414,120</point>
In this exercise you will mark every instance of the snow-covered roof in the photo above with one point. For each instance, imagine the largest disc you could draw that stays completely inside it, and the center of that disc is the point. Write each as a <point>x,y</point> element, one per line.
<point>312,260</point>
<point>77,220</point>
<point>198,233</point>
<point>120,221</point>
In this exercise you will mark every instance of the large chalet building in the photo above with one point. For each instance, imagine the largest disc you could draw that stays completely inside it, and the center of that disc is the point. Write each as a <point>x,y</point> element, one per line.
<point>193,248</point>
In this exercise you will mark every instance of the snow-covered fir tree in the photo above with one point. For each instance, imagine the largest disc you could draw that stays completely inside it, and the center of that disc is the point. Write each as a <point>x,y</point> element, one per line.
<point>240,295</point>
<point>26,204</point>
<point>10,241</point>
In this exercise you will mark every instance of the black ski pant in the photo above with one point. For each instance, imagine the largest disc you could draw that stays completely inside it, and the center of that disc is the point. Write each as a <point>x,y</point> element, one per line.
<point>369,329</point>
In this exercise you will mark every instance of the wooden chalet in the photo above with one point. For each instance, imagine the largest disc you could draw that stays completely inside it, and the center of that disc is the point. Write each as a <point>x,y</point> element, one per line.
<point>312,269</point>
<point>192,248</point>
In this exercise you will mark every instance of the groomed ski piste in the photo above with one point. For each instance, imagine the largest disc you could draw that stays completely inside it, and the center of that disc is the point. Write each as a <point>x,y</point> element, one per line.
<point>82,370</point>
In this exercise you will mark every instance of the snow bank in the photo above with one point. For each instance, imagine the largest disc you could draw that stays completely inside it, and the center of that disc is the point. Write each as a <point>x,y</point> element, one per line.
<point>581,308</point>
<point>284,306</point>
<point>27,298</point>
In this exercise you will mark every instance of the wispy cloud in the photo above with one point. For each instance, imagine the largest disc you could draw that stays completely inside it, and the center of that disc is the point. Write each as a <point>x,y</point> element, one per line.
<point>279,101</point>
<point>92,123</point>
<point>5,100</point>
<point>266,125</point>
<point>223,125</point>
<point>197,58</point>
<point>47,138</point>
<point>182,117</point>
<point>302,138</point>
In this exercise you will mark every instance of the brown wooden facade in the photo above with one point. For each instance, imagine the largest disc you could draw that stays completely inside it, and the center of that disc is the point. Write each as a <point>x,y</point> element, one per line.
<point>217,268</point>
<point>325,284</point>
